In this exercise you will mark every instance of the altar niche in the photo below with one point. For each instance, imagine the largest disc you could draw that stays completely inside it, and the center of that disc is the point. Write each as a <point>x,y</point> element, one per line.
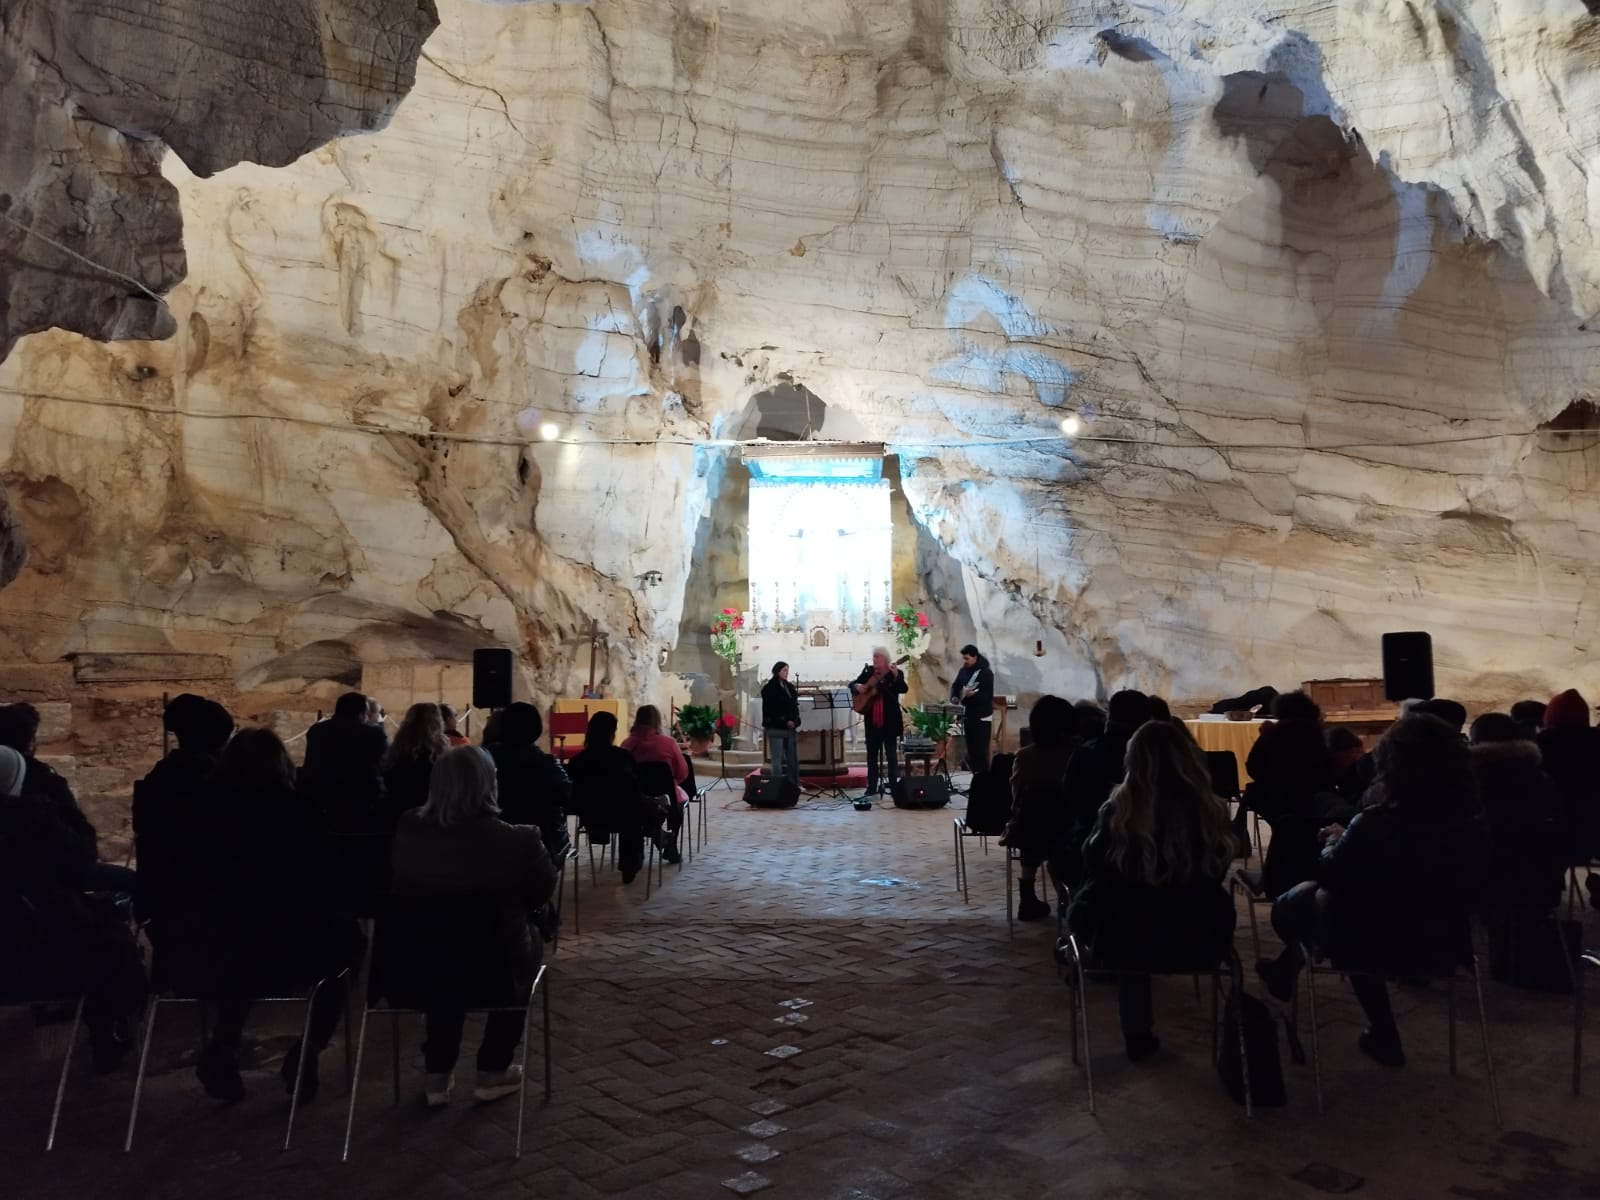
<point>813,543</point>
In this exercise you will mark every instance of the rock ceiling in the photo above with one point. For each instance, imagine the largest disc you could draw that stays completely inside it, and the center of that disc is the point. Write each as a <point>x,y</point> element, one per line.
<point>1313,276</point>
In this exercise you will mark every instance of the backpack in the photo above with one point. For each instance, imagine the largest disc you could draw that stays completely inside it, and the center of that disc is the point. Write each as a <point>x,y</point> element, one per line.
<point>1261,1043</point>
<point>989,797</point>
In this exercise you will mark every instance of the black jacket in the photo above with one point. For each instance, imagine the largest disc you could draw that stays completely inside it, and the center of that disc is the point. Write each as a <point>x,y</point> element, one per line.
<point>405,785</point>
<point>1132,925</point>
<point>343,774</point>
<point>780,704</point>
<point>1292,788</point>
<point>1525,812</point>
<point>891,688</point>
<point>981,703</point>
<point>160,801</point>
<point>43,780</point>
<point>1094,769</point>
<point>534,790</point>
<point>605,791</point>
<point>1572,759</point>
<point>1400,889</point>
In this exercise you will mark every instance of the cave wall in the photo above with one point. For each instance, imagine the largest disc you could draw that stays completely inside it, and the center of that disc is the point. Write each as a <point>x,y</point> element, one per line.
<point>1312,276</point>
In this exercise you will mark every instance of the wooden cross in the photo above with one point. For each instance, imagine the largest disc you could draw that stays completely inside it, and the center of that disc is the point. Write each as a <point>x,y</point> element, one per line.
<point>595,638</point>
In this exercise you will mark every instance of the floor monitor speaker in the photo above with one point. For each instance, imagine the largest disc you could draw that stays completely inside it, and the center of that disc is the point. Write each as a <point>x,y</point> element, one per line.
<point>1407,666</point>
<point>491,678</point>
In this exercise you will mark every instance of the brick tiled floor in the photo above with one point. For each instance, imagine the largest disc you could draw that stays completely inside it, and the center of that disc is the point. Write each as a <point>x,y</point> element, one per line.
<point>932,1061</point>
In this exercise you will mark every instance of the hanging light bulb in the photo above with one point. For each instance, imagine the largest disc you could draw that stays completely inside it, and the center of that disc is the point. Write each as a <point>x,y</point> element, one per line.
<point>1070,425</point>
<point>549,431</point>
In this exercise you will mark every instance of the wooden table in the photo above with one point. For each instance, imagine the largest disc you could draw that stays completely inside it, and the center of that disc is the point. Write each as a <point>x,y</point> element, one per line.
<point>610,704</point>
<point>1238,736</point>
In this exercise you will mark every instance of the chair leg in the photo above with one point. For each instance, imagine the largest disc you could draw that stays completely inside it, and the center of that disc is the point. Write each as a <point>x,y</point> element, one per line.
<point>649,868</point>
<point>355,1083</point>
<point>138,1079</point>
<point>955,827</point>
<point>300,1067</point>
<point>1255,927</point>
<point>1488,1055</point>
<point>577,875</point>
<point>1316,1037</point>
<point>1237,974</point>
<point>1083,1014</point>
<point>1011,920</point>
<point>66,1067</point>
<point>349,1062</point>
<point>522,1088</point>
<point>549,1064</point>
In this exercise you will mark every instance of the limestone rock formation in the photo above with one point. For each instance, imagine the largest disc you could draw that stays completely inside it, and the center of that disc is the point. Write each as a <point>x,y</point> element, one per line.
<point>1311,276</point>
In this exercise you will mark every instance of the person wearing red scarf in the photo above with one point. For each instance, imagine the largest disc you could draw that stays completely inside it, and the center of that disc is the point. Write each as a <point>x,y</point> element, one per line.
<point>886,683</point>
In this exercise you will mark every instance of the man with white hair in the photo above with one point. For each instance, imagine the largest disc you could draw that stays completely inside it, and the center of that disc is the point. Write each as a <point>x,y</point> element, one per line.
<point>878,690</point>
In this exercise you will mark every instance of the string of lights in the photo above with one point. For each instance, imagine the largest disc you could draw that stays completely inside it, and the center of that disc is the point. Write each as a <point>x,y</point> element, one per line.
<point>550,433</point>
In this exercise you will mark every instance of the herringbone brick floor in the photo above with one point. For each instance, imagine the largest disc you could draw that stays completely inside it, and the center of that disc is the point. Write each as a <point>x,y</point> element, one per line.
<point>810,1009</point>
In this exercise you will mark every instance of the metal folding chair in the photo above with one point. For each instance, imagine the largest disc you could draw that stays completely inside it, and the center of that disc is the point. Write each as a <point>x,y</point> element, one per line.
<point>522,1093</point>
<point>961,832</point>
<point>1078,973</point>
<point>1311,971</point>
<point>77,1003</point>
<point>305,1048</point>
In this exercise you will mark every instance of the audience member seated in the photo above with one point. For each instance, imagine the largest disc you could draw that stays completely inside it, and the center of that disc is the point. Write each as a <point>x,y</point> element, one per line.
<point>1292,789</point>
<point>261,917</point>
<point>605,790</point>
<point>161,799</point>
<point>1039,821</point>
<point>19,729</point>
<point>1524,808</point>
<point>1392,890</point>
<point>1529,714</point>
<point>1152,897</point>
<point>452,734</point>
<point>1452,712</point>
<point>533,789</point>
<point>343,771</point>
<point>1094,769</point>
<point>419,743</point>
<point>1344,751</point>
<point>56,940</point>
<point>1571,751</point>
<point>1091,719</point>
<point>1160,710</point>
<point>648,744</point>
<point>458,845</point>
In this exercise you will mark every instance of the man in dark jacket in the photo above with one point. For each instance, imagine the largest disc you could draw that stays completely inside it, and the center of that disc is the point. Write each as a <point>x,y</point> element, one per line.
<point>1093,771</point>
<point>534,790</point>
<point>202,727</point>
<point>973,689</point>
<point>343,771</point>
<point>19,729</point>
<point>780,719</point>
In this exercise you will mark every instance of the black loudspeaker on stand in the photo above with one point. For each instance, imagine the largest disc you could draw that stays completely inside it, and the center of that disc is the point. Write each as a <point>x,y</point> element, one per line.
<point>1407,666</point>
<point>491,677</point>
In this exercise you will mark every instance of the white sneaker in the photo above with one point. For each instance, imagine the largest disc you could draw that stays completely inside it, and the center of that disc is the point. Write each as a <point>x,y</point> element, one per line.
<point>436,1090</point>
<point>492,1085</point>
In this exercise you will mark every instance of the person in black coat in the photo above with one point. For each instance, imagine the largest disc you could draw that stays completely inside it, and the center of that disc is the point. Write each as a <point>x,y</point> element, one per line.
<point>57,940</point>
<point>1293,789</point>
<point>882,683</point>
<point>201,727</point>
<point>19,729</point>
<point>1153,898</point>
<point>1393,888</point>
<point>780,719</point>
<point>607,795</point>
<point>261,915</point>
<point>343,771</point>
<point>533,788</point>
<point>1094,769</point>
<point>1525,812</point>
<point>973,689</point>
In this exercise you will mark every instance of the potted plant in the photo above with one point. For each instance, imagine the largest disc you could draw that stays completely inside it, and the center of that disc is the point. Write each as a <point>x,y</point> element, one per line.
<point>726,627</point>
<point>935,726</point>
<point>697,725</point>
<point>727,727</point>
<point>909,625</point>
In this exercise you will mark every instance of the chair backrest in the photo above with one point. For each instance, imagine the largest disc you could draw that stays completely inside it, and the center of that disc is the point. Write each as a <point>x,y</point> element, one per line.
<point>444,952</point>
<point>568,724</point>
<point>655,779</point>
<point>1224,766</point>
<point>362,862</point>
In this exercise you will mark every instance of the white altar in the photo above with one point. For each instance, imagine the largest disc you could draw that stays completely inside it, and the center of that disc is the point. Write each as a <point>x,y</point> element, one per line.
<point>821,652</point>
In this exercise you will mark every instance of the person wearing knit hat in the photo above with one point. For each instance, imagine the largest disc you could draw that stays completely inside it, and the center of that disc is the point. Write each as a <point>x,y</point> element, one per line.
<point>13,769</point>
<point>1567,710</point>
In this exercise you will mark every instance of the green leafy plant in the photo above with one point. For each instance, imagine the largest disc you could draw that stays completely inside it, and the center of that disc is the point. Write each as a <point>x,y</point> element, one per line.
<point>698,721</point>
<point>725,629</point>
<point>932,725</point>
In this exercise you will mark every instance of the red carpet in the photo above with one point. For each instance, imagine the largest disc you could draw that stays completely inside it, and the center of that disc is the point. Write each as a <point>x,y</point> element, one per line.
<point>854,780</point>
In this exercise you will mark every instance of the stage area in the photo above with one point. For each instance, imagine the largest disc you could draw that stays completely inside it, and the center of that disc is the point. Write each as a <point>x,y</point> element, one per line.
<point>929,1061</point>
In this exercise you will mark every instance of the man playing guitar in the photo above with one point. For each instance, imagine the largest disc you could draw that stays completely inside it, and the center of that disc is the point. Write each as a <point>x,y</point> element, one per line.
<point>877,691</point>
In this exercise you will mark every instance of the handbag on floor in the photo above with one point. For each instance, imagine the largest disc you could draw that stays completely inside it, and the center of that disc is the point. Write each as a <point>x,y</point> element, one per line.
<point>1261,1044</point>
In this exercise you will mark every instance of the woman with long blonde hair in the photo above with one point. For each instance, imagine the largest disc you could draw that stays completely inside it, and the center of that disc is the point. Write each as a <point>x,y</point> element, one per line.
<point>408,763</point>
<point>1153,897</point>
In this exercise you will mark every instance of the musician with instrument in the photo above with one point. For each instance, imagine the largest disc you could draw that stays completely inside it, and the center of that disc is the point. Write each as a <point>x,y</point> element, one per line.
<point>973,689</point>
<point>877,691</point>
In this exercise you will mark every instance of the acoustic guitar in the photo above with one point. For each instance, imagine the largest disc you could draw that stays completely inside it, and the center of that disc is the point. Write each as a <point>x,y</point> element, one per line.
<point>862,700</point>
